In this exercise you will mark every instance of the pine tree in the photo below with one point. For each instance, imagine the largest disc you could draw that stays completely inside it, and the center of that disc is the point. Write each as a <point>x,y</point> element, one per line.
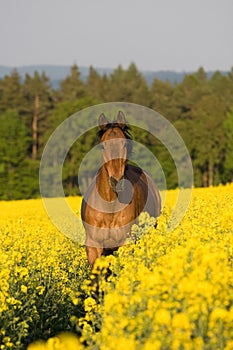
<point>97,85</point>
<point>162,98</point>
<point>13,148</point>
<point>207,137</point>
<point>128,86</point>
<point>228,163</point>
<point>11,94</point>
<point>72,88</point>
<point>188,93</point>
<point>75,155</point>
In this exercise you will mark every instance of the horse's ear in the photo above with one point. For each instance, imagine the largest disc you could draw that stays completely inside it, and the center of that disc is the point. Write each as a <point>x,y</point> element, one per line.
<point>103,121</point>
<point>121,121</point>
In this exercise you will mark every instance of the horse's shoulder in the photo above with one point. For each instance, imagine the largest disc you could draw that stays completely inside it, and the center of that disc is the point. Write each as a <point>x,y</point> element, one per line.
<point>89,191</point>
<point>133,169</point>
<point>137,172</point>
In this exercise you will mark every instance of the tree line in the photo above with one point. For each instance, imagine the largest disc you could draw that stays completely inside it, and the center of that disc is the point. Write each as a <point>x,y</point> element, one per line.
<point>200,108</point>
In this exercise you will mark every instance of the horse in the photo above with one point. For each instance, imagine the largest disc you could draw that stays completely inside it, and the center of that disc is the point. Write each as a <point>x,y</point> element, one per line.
<point>119,192</point>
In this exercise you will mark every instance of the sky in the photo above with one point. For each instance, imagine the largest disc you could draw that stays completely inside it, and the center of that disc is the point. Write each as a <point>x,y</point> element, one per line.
<point>179,35</point>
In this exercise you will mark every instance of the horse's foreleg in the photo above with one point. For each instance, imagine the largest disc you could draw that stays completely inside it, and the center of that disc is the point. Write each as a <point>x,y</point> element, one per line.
<point>93,254</point>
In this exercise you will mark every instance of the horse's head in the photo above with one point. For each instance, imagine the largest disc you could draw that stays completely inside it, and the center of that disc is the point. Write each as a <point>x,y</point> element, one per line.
<point>114,137</point>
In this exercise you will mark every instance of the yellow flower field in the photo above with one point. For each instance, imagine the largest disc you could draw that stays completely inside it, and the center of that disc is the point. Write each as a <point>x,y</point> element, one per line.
<point>167,290</point>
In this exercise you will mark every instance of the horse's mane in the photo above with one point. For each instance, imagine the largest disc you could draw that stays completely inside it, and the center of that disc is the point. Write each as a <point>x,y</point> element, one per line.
<point>126,131</point>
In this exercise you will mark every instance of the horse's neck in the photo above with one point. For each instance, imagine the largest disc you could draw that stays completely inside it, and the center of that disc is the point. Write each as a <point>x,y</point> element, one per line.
<point>103,186</point>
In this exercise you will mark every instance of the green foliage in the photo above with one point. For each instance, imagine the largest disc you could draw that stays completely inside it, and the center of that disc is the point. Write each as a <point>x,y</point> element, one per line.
<point>13,148</point>
<point>11,94</point>
<point>228,126</point>
<point>128,85</point>
<point>97,85</point>
<point>72,88</point>
<point>30,110</point>
<point>74,163</point>
<point>38,101</point>
<point>161,97</point>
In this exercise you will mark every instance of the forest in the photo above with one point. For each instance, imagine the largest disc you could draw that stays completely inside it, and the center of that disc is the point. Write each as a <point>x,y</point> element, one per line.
<point>199,107</point>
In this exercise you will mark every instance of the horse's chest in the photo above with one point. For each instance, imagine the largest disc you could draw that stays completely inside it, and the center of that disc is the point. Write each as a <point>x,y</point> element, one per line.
<point>108,229</point>
<point>119,218</point>
<point>108,213</point>
<point>116,217</point>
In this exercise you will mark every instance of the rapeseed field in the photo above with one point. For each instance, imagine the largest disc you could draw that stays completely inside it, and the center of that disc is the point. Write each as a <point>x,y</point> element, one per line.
<point>166,290</point>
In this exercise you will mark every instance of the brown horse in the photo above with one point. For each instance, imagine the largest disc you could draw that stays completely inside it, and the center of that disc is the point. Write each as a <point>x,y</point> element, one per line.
<point>118,194</point>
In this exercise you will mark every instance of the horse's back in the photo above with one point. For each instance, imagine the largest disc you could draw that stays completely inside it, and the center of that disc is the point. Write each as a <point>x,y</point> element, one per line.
<point>148,193</point>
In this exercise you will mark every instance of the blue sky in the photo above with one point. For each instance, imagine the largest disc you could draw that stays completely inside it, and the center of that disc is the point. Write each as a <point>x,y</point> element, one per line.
<point>179,35</point>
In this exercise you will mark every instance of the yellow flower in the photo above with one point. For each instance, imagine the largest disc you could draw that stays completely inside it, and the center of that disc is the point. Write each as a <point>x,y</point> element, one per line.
<point>181,321</point>
<point>37,345</point>
<point>121,343</point>
<point>75,301</point>
<point>24,289</point>
<point>229,345</point>
<point>89,304</point>
<point>157,296</point>
<point>163,317</point>
<point>152,345</point>
<point>63,341</point>
<point>219,314</point>
<point>40,289</point>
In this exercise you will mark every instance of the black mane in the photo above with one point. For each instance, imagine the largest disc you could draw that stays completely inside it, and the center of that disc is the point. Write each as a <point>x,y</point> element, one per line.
<point>126,131</point>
